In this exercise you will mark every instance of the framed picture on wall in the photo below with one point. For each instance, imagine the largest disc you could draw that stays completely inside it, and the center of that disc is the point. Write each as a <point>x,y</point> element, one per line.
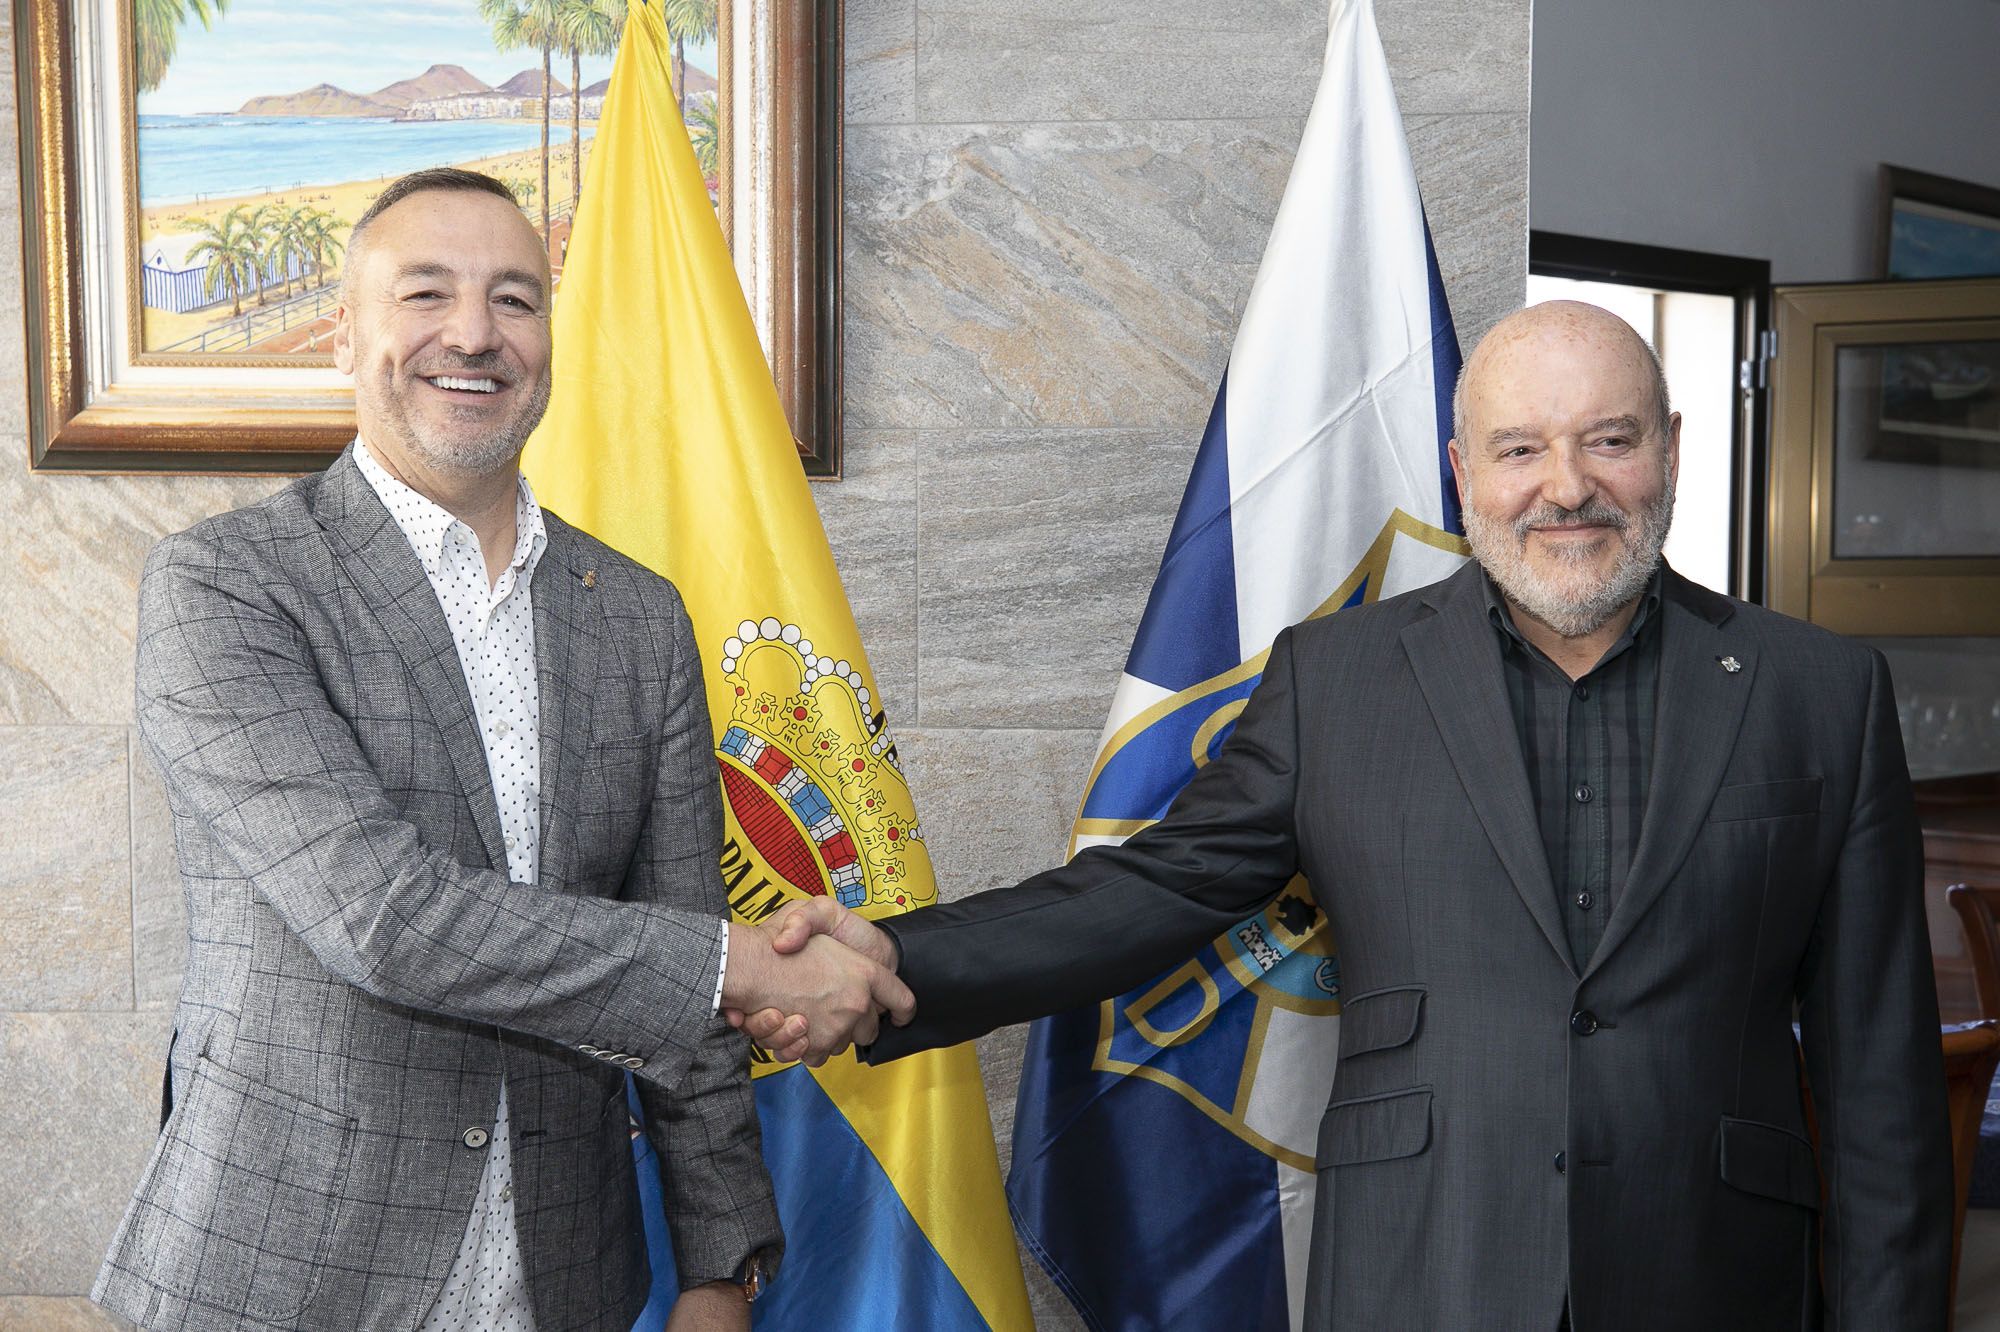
<point>191,171</point>
<point>1936,227</point>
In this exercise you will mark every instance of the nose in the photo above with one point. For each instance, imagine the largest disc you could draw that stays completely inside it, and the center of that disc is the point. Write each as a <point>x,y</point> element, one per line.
<point>1566,481</point>
<point>470,328</point>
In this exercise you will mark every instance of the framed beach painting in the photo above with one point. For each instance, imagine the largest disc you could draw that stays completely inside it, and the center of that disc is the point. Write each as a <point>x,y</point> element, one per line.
<point>1935,227</point>
<point>191,170</point>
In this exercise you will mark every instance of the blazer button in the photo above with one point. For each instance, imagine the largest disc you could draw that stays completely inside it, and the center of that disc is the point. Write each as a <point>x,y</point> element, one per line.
<point>475,1138</point>
<point>1562,1163</point>
<point>1583,1022</point>
<point>590,1050</point>
<point>633,1061</point>
<point>609,1056</point>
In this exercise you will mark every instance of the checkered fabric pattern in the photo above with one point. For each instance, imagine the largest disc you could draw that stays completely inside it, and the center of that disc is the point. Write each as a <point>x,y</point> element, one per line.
<point>361,974</point>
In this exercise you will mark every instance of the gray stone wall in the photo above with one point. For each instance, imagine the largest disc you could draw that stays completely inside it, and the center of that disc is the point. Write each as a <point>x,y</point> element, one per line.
<point>1054,212</point>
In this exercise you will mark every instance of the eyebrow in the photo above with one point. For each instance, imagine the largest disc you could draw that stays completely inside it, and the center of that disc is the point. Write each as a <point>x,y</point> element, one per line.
<point>517,276</point>
<point>1604,425</point>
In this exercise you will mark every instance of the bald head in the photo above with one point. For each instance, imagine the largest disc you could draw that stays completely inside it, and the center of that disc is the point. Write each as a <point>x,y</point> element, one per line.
<point>1557,321</point>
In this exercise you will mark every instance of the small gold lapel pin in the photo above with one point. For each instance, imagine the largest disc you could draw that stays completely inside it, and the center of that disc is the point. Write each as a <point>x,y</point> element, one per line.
<point>590,581</point>
<point>1729,664</point>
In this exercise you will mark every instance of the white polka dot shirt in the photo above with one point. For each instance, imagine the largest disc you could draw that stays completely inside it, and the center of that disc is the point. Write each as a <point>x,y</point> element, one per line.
<point>493,626</point>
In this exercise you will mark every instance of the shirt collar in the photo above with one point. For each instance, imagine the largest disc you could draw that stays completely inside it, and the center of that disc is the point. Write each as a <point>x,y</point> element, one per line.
<point>426,523</point>
<point>1502,616</point>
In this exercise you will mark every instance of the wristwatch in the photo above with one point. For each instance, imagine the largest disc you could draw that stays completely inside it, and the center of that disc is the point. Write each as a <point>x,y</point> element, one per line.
<point>752,1276</point>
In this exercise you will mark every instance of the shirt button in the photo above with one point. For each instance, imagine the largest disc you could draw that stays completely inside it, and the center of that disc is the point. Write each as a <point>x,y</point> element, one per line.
<point>1583,794</point>
<point>1584,899</point>
<point>501,729</point>
<point>1582,690</point>
<point>512,842</point>
<point>1583,1022</point>
<point>475,1138</point>
<point>507,1193</point>
<point>1562,1163</point>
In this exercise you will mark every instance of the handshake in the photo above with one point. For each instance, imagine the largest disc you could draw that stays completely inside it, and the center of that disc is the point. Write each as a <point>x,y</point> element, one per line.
<point>812,980</point>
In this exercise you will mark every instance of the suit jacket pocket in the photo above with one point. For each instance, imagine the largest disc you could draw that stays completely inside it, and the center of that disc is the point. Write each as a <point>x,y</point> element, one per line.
<point>1380,1019</point>
<point>1769,1161</point>
<point>1765,800</point>
<point>238,1206</point>
<point>1375,1128</point>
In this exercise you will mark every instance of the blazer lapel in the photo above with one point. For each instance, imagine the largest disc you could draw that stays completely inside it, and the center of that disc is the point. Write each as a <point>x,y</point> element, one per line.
<point>1456,656</point>
<point>380,560</point>
<point>1701,705</point>
<point>566,646</point>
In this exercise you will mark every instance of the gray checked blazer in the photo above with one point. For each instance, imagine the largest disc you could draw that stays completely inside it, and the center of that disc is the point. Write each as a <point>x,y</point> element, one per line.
<point>1508,1133</point>
<point>360,971</point>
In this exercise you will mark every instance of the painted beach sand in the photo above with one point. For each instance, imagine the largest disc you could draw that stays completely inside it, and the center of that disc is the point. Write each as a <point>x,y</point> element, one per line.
<point>267,127</point>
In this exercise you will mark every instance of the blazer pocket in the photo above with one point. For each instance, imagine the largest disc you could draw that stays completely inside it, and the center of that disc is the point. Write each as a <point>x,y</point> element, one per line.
<point>241,1200</point>
<point>1770,1162</point>
<point>1375,1128</point>
<point>1765,800</point>
<point>1380,1019</point>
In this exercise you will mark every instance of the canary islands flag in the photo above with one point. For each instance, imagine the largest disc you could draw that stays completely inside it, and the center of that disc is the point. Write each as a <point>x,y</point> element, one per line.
<point>1164,1141</point>
<point>665,438</point>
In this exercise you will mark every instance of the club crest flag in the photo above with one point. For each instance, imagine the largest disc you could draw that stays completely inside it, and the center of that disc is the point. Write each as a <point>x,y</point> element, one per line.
<point>1164,1141</point>
<point>665,438</point>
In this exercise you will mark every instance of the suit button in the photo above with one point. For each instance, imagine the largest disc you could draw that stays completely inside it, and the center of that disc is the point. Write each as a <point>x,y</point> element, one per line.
<point>1562,1163</point>
<point>590,1050</point>
<point>609,1056</point>
<point>1583,1022</point>
<point>633,1061</point>
<point>475,1138</point>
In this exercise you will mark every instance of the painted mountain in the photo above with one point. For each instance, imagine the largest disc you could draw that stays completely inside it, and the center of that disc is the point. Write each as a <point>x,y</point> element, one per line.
<point>437,81</point>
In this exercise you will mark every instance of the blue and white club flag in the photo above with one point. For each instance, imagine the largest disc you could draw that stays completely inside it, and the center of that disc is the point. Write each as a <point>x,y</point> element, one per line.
<point>1163,1142</point>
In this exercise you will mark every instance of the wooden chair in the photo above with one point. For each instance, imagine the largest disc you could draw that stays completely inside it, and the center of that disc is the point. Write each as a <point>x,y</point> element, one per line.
<point>1971,1055</point>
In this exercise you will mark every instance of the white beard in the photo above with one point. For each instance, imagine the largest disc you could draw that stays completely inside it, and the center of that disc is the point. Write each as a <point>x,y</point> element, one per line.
<point>1572,599</point>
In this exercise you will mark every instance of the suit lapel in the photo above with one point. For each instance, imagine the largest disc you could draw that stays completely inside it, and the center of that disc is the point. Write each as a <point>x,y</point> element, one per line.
<point>1701,709</point>
<point>1456,656</point>
<point>378,557</point>
<point>566,646</point>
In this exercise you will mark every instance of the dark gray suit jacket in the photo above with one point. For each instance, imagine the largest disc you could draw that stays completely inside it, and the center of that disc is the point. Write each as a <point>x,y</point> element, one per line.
<point>1779,865</point>
<point>360,972</point>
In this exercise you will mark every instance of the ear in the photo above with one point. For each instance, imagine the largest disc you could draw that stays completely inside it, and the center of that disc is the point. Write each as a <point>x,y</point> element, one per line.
<point>1673,450</point>
<point>1457,468</point>
<point>343,340</point>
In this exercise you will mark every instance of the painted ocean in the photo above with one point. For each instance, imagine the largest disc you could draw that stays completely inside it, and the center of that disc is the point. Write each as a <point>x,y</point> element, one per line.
<point>186,158</point>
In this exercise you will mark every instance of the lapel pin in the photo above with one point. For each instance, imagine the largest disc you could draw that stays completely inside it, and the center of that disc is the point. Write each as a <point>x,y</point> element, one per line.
<point>1729,664</point>
<point>590,581</point>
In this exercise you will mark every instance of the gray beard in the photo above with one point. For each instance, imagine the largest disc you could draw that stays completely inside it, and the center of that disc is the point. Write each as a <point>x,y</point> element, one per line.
<point>450,454</point>
<point>1572,601</point>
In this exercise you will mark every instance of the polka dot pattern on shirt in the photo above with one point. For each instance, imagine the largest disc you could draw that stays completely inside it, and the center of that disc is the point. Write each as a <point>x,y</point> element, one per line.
<point>492,625</point>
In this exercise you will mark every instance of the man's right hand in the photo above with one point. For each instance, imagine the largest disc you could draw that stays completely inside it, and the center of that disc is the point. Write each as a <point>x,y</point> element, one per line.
<point>789,1033</point>
<point>821,996</point>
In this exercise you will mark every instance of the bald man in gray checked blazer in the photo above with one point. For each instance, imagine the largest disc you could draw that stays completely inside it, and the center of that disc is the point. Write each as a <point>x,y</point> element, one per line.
<point>363,976</point>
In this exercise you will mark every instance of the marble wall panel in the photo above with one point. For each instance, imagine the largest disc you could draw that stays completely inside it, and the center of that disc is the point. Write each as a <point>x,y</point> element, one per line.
<point>1036,554</point>
<point>1073,275</point>
<point>871,522</point>
<point>36,1313</point>
<point>1457,55</point>
<point>71,550</point>
<point>1473,171</point>
<point>1046,60</point>
<point>880,70</point>
<point>159,913</point>
<point>995,805</point>
<point>81,1113</point>
<point>65,897</point>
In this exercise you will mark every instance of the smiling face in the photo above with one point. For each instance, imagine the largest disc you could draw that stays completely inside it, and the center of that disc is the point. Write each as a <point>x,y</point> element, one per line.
<point>1565,463</point>
<point>445,327</point>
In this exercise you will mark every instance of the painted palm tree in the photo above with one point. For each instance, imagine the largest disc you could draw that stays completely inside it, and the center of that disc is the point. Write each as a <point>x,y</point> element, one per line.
<point>704,124</point>
<point>289,245</point>
<point>318,231</point>
<point>687,21</point>
<point>589,28</point>
<point>156,30</point>
<point>229,251</point>
<point>264,226</point>
<point>520,25</point>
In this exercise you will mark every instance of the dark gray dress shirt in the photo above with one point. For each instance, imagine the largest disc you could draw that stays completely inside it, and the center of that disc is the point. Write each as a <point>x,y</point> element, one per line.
<point>1588,746</point>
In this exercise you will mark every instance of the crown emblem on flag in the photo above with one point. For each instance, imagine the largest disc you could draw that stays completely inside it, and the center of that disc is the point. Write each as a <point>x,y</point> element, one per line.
<point>810,773</point>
